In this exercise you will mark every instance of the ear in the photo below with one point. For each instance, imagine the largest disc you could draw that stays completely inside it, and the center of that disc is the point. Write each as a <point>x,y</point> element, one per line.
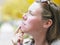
<point>47,23</point>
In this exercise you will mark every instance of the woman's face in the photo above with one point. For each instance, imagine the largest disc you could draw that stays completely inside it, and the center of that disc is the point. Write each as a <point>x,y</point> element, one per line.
<point>32,20</point>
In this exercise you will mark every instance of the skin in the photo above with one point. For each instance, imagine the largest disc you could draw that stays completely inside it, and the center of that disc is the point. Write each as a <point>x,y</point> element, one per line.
<point>32,20</point>
<point>34,25</point>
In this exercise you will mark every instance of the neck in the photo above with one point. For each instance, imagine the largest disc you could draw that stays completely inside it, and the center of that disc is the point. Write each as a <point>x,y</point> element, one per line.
<point>41,42</point>
<point>40,39</point>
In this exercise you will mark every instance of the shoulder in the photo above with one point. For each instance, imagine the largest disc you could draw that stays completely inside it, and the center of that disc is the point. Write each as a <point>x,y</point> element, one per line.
<point>56,42</point>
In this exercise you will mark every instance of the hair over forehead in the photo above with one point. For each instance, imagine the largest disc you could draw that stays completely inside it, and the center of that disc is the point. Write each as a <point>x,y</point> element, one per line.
<point>34,6</point>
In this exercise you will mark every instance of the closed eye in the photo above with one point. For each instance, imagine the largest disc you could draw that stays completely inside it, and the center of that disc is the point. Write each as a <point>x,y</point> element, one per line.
<point>30,12</point>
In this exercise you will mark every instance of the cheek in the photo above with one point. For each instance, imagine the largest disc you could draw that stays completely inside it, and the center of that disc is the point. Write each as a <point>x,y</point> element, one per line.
<point>34,24</point>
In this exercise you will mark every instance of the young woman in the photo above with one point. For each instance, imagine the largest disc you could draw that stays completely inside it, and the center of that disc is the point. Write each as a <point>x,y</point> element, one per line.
<point>42,22</point>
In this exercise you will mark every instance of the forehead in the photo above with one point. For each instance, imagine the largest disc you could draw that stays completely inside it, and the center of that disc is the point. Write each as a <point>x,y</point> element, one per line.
<point>34,6</point>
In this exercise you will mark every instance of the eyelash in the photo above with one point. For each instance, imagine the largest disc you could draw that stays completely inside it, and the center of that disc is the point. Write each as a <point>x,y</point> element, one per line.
<point>31,13</point>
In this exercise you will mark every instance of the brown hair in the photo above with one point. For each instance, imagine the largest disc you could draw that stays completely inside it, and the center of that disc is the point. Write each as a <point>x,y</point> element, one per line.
<point>51,11</point>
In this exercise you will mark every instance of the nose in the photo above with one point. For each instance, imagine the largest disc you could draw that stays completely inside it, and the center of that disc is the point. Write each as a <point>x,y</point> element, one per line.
<point>25,17</point>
